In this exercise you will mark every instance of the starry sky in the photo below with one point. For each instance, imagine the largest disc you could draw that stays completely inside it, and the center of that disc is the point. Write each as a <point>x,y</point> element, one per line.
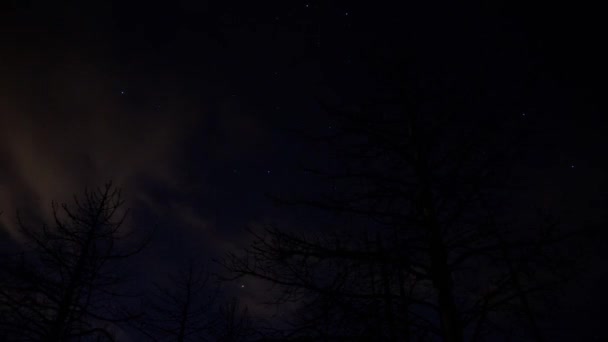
<point>196,108</point>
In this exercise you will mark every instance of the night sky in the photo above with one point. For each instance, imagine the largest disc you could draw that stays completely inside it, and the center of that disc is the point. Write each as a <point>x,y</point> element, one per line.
<point>200,109</point>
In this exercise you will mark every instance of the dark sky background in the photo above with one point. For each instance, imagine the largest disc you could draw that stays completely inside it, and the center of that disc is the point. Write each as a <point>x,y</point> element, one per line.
<point>191,107</point>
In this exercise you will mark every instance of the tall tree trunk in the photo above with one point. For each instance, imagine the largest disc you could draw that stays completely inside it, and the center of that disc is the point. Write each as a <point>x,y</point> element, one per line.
<point>386,289</point>
<point>441,275</point>
<point>442,279</point>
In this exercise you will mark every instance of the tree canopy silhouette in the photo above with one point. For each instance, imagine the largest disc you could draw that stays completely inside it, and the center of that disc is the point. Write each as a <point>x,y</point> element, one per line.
<point>65,284</point>
<point>427,247</point>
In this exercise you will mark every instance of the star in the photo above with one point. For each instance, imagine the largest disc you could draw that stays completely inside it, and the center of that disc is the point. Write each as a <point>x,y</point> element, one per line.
<point>122,92</point>
<point>242,286</point>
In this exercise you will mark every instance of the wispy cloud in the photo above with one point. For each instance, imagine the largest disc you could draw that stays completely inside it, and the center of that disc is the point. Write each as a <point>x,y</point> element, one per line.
<point>67,125</point>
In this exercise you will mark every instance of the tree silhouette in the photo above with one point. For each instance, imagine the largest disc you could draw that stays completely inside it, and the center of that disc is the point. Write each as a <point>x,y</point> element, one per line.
<point>65,284</point>
<point>189,308</point>
<point>234,323</point>
<point>425,249</point>
<point>183,310</point>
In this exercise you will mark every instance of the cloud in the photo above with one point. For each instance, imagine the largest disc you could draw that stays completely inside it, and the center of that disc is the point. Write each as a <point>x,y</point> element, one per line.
<point>65,125</point>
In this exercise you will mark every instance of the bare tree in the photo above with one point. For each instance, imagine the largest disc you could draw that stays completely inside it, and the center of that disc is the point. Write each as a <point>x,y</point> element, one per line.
<point>189,308</point>
<point>234,323</point>
<point>183,310</point>
<point>65,284</point>
<point>428,251</point>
